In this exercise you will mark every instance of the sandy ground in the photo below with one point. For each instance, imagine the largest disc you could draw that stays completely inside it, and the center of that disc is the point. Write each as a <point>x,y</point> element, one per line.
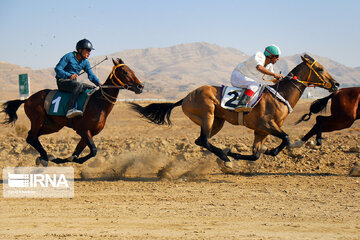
<point>151,182</point>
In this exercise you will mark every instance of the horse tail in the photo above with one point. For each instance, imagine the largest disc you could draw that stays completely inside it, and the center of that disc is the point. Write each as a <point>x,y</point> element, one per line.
<point>316,107</point>
<point>10,108</point>
<point>158,113</point>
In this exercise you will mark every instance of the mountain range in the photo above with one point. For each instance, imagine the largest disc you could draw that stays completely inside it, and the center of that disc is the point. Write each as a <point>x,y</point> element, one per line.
<point>171,72</point>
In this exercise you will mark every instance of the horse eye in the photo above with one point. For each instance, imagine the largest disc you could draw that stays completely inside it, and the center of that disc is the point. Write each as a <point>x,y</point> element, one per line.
<point>125,72</point>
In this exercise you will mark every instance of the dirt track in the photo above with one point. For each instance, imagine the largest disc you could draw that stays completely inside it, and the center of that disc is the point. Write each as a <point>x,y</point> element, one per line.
<point>301,194</point>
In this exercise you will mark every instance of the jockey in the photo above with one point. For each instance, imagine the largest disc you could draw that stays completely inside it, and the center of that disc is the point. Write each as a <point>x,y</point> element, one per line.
<point>67,72</point>
<point>249,74</point>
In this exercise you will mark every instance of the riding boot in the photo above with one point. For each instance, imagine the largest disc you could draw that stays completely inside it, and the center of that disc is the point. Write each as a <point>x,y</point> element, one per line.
<point>244,100</point>
<point>242,105</point>
<point>72,111</point>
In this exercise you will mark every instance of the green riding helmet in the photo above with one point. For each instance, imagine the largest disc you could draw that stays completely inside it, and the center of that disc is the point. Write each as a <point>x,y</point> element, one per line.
<point>272,50</point>
<point>84,44</point>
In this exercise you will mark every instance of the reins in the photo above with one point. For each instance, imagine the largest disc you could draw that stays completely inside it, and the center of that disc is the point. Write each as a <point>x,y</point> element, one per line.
<point>297,87</point>
<point>306,83</point>
<point>122,85</point>
<point>107,96</point>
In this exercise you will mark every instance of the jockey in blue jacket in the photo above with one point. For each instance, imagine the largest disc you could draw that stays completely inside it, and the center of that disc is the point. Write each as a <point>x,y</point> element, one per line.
<point>67,72</point>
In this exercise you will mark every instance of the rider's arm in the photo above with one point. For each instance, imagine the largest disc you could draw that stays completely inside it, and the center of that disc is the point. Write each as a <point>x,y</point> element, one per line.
<point>59,69</point>
<point>266,71</point>
<point>92,77</point>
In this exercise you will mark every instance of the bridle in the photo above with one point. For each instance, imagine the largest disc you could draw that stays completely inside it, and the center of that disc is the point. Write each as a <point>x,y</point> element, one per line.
<point>307,83</point>
<point>121,85</point>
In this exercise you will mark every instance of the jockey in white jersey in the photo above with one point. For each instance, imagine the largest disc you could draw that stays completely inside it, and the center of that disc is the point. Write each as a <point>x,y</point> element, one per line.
<point>249,74</point>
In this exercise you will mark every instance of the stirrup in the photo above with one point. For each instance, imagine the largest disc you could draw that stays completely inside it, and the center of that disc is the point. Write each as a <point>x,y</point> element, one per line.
<point>73,113</point>
<point>243,104</point>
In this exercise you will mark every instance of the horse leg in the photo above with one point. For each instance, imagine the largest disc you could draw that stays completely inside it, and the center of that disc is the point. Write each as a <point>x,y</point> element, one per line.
<point>79,148</point>
<point>217,126</point>
<point>325,124</point>
<point>331,123</point>
<point>259,141</point>
<point>86,136</point>
<point>316,129</point>
<point>319,122</point>
<point>33,140</point>
<point>276,131</point>
<point>209,127</point>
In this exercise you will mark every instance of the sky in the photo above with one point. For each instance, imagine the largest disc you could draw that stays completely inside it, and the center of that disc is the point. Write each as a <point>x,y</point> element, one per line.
<point>37,33</point>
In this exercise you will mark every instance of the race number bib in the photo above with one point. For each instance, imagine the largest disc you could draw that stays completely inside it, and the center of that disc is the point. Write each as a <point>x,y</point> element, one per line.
<point>231,96</point>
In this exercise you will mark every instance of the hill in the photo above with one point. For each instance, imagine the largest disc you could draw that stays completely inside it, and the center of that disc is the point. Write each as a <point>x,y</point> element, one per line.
<point>170,72</point>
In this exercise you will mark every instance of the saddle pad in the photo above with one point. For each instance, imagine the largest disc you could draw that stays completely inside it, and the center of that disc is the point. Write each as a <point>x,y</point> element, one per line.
<point>56,102</point>
<point>230,96</point>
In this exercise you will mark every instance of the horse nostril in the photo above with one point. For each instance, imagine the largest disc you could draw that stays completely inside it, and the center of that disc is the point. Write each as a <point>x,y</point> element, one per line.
<point>140,86</point>
<point>337,84</point>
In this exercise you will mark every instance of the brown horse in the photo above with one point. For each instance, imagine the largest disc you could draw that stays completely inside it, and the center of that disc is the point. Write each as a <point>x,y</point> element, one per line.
<point>202,106</point>
<point>87,126</point>
<point>345,109</point>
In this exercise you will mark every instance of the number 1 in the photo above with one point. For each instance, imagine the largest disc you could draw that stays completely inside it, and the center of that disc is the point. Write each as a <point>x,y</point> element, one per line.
<point>56,101</point>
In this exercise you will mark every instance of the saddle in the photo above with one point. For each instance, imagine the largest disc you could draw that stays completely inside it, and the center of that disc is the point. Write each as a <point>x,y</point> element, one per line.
<point>230,97</point>
<point>56,102</point>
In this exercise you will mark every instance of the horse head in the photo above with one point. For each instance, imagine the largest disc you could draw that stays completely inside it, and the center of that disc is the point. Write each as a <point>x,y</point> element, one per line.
<point>316,75</point>
<point>122,76</point>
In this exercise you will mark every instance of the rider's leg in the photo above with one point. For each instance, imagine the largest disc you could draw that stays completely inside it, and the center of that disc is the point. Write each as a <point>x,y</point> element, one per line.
<point>252,87</point>
<point>246,97</point>
<point>241,81</point>
<point>75,88</point>
<point>74,95</point>
<point>86,86</point>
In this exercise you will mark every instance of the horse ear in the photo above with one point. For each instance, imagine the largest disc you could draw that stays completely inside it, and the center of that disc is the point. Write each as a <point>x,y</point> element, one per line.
<point>307,58</point>
<point>120,61</point>
<point>115,62</point>
<point>303,59</point>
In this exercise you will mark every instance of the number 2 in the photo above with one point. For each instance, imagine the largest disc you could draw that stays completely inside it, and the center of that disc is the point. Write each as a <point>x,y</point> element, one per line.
<point>230,102</point>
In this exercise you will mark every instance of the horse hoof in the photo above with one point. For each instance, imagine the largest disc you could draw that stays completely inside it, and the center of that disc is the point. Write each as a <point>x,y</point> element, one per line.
<point>296,144</point>
<point>227,170</point>
<point>37,161</point>
<point>219,162</point>
<point>225,167</point>
<point>44,163</point>
<point>228,165</point>
<point>41,161</point>
<point>51,157</point>
<point>263,149</point>
<point>355,171</point>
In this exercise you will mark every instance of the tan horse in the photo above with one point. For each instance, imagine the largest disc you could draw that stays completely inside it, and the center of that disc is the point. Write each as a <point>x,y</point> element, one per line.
<point>202,106</point>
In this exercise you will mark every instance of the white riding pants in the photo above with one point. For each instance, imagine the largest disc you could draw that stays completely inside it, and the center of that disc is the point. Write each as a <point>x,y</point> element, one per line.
<point>241,81</point>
